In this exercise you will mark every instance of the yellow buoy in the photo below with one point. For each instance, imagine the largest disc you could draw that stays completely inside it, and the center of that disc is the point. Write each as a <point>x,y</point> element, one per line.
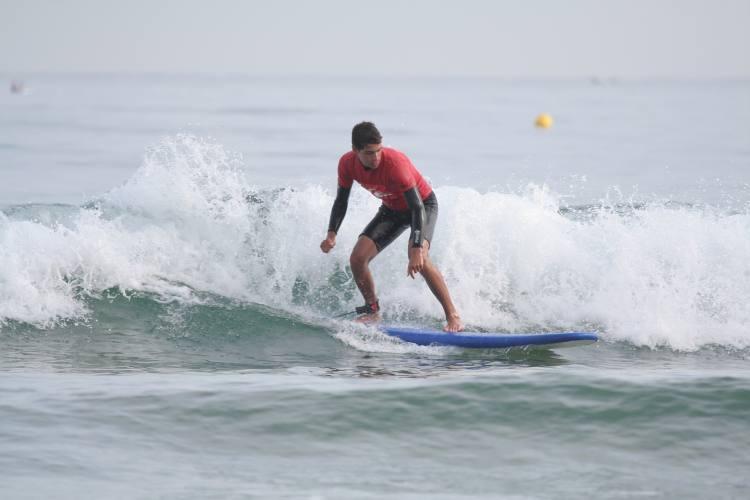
<point>543,121</point>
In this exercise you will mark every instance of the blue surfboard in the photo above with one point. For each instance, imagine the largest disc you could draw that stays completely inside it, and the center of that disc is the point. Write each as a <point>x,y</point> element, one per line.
<point>489,340</point>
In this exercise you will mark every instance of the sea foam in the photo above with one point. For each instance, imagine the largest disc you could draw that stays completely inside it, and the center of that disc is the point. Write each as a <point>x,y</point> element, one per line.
<point>189,222</point>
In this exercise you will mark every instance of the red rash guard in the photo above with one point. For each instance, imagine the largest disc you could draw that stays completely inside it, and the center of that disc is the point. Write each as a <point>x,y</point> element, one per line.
<point>395,175</point>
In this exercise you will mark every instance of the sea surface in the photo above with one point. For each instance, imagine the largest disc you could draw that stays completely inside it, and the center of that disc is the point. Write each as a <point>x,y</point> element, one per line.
<point>168,322</point>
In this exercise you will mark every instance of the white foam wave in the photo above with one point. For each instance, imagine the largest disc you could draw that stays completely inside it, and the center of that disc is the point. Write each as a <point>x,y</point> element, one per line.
<point>189,220</point>
<point>368,338</point>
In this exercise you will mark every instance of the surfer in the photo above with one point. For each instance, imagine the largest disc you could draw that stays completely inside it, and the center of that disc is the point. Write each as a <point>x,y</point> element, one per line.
<point>408,201</point>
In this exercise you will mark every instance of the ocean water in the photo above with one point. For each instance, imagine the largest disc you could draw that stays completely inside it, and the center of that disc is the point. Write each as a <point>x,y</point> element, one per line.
<point>167,319</point>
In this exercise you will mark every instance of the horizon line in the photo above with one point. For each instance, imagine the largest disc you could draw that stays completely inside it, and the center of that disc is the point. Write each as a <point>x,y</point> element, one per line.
<point>602,79</point>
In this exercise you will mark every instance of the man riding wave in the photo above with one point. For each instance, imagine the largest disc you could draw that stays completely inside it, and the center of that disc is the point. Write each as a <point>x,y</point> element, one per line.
<point>408,202</point>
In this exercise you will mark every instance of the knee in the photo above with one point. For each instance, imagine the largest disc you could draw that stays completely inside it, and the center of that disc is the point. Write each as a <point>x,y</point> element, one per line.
<point>358,260</point>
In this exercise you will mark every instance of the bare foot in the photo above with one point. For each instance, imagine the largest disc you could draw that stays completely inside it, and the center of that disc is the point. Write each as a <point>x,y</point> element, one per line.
<point>454,324</point>
<point>368,319</point>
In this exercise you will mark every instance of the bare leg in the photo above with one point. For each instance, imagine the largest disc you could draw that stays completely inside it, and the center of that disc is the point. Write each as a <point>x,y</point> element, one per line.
<point>437,285</point>
<point>364,251</point>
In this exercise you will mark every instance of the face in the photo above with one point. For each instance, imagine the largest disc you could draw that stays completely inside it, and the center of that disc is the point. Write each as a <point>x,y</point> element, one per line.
<point>370,156</point>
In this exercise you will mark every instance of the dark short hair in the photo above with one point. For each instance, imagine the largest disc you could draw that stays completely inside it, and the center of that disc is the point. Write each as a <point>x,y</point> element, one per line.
<point>365,133</point>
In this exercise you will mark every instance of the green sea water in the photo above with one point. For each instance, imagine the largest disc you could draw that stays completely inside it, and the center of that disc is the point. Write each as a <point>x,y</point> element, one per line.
<point>240,401</point>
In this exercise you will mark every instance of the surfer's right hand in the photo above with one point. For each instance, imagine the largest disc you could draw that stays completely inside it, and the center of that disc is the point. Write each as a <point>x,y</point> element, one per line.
<point>327,244</point>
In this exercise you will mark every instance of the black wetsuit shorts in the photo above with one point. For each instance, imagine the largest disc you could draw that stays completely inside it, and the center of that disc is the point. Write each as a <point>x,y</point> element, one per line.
<point>388,224</point>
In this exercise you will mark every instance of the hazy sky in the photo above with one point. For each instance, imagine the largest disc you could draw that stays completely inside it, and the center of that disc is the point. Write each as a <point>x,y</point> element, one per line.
<point>524,38</point>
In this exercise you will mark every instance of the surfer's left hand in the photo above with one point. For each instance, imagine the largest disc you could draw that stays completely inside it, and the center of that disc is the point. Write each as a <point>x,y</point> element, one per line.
<point>416,261</point>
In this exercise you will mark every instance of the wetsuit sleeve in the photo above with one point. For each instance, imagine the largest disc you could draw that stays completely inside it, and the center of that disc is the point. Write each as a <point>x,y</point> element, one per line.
<point>418,216</point>
<point>339,209</point>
